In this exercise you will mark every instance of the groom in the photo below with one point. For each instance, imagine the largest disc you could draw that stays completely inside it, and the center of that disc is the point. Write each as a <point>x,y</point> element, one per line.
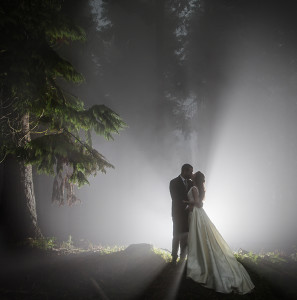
<point>179,188</point>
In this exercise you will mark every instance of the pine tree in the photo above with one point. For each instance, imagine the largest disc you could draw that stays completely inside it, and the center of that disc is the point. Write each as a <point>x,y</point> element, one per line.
<point>163,25</point>
<point>40,123</point>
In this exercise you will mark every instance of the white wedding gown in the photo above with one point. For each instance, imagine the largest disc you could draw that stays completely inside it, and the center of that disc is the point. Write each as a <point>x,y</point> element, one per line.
<point>210,260</point>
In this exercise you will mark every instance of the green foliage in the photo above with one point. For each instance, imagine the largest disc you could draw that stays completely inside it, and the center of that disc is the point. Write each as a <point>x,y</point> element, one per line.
<point>68,245</point>
<point>273,257</point>
<point>56,136</point>
<point>42,243</point>
<point>250,256</point>
<point>166,255</point>
<point>275,267</point>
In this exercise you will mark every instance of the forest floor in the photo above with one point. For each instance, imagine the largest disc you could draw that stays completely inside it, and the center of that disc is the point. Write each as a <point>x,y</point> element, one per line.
<point>137,272</point>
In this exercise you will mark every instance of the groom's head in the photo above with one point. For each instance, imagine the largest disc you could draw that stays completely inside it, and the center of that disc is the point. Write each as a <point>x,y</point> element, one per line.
<point>187,171</point>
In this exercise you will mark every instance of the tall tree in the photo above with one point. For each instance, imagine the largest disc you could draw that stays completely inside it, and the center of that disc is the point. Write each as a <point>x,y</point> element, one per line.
<point>163,27</point>
<point>41,123</point>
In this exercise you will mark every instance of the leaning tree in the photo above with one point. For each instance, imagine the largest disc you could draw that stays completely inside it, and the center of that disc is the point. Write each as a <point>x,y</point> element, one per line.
<point>41,124</point>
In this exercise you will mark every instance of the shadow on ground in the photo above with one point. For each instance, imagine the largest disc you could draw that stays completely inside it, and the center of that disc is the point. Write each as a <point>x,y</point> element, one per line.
<point>134,273</point>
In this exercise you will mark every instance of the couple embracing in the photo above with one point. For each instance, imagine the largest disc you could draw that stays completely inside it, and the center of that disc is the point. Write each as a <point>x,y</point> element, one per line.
<point>210,261</point>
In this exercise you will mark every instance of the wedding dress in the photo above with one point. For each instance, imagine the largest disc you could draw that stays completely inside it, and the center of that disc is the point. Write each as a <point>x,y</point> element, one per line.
<point>210,260</point>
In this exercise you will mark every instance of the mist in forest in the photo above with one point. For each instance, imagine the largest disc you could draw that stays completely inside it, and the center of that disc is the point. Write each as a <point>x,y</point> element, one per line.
<point>231,114</point>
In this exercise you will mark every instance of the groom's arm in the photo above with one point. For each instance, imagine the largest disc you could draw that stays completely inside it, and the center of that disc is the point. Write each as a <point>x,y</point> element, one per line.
<point>174,196</point>
<point>177,202</point>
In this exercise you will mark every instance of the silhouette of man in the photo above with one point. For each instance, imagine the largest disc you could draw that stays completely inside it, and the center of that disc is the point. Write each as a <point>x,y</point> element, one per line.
<point>179,188</point>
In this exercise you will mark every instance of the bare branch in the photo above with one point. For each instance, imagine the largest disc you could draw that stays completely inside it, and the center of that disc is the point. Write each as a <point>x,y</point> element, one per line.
<point>3,157</point>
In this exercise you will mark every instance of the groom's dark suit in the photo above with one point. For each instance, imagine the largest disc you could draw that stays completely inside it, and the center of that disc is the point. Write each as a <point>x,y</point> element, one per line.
<point>178,192</point>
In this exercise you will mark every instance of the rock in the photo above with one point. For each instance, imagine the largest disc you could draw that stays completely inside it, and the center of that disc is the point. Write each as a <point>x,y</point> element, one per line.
<point>138,250</point>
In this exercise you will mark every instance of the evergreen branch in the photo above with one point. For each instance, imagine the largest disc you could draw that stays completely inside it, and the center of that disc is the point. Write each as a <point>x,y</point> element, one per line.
<point>40,132</point>
<point>59,91</point>
<point>29,66</point>
<point>77,139</point>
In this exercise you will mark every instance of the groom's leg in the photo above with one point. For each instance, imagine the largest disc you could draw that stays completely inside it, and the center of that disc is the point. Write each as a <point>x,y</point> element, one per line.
<point>183,245</point>
<point>175,241</point>
<point>175,244</point>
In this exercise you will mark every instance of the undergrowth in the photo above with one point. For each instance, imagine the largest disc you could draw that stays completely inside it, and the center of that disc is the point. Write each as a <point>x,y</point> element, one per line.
<point>69,246</point>
<point>274,257</point>
<point>51,243</point>
<point>273,272</point>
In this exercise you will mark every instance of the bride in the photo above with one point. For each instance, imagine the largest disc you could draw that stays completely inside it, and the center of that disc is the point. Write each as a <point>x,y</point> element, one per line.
<point>210,260</point>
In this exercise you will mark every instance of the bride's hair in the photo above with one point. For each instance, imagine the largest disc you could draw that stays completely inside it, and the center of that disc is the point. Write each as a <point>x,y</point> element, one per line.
<point>199,180</point>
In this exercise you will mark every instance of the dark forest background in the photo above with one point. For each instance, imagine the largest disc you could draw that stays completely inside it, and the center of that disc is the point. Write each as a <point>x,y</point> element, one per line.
<point>211,83</point>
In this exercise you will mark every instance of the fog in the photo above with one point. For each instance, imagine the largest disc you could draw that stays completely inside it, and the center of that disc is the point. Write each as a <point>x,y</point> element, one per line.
<point>242,137</point>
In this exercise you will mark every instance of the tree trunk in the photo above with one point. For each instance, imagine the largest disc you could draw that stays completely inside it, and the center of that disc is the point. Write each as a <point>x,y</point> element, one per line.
<point>29,199</point>
<point>161,108</point>
<point>18,206</point>
<point>27,185</point>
